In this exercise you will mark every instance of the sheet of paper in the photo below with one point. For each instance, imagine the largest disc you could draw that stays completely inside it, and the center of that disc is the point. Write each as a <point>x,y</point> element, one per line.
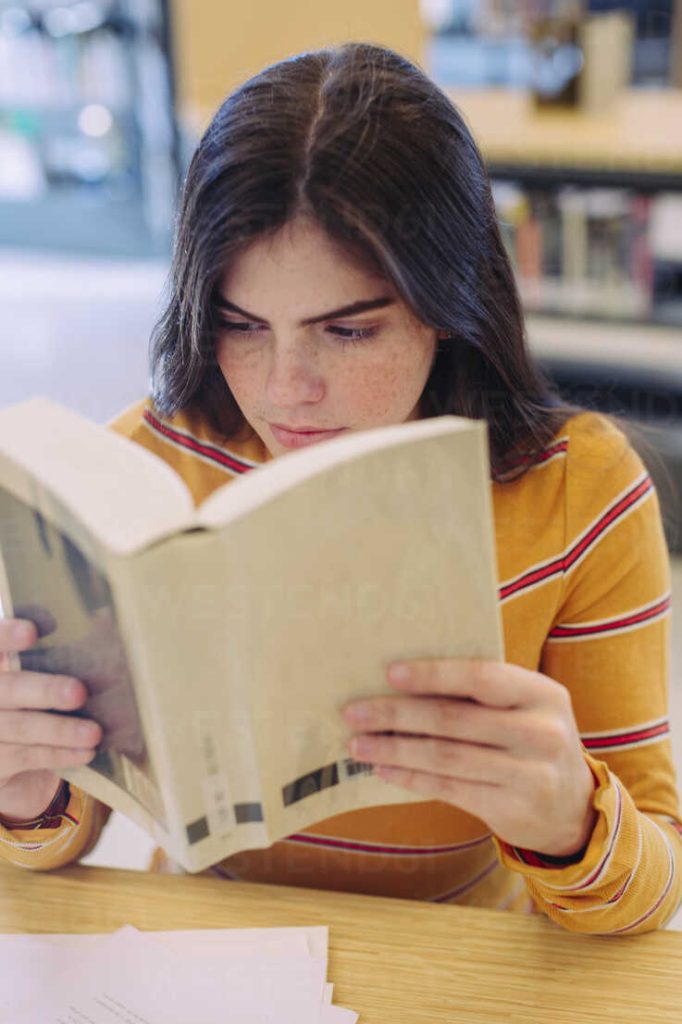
<point>133,978</point>
<point>337,1015</point>
<point>29,963</point>
<point>316,937</point>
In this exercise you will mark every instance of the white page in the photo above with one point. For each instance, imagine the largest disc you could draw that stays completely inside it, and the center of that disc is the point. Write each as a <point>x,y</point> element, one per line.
<point>28,964</point>
<point>315,936</point>
<point>273,940</point>
<point>337,1015</point>
<point>129,978</point>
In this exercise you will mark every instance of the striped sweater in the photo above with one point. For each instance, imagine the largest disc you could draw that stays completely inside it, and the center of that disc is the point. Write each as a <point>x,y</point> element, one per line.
<point>584,589</point>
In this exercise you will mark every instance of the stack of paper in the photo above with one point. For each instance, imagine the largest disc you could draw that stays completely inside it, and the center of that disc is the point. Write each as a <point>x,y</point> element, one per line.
<point>249,976</point>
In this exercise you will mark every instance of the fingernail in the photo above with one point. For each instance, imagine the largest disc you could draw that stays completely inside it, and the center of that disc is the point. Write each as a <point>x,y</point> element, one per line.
<point>357,712</point>
<point>67,689</point>
<point>398,672</point>
<point>87,730</point>
<point>24,633</point>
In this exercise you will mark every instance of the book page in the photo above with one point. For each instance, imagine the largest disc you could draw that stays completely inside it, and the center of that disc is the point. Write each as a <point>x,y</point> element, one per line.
<point>181,611</point>
<point>117,491</point>
<point>66,590</point>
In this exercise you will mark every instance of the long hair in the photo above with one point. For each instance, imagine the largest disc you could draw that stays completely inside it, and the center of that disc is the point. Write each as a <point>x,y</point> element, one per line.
<point>360,139</point>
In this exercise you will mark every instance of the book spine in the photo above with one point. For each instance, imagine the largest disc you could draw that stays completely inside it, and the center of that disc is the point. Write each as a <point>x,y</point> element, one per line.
<point>641,260</point>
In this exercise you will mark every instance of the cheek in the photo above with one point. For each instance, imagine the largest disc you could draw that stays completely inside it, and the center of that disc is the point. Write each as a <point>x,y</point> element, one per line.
<point>239,370</point>
<point>390,387</point>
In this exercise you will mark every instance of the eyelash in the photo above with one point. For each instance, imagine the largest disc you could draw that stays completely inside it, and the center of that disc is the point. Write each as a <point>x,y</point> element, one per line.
<point>346,335</point>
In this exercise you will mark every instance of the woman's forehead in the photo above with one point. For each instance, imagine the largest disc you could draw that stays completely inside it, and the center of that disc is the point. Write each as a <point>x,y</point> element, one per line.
<point>302,245</point>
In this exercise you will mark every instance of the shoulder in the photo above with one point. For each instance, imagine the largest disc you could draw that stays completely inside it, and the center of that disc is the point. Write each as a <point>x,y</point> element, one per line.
<point>604,471</point>
<point>588,451</point>
<point>597,443</point>
<point>587,483</point>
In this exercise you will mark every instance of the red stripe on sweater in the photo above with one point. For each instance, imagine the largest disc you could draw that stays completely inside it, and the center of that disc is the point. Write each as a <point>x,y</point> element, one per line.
<point>359,847</point>
<point>619,509</point>
<point>539,457</point>
<point>554,568</point>
<point>466,886</point>
<point>209,451</point>
<point>616,738</point>
<point>652,910</point>
<point>611,624</point>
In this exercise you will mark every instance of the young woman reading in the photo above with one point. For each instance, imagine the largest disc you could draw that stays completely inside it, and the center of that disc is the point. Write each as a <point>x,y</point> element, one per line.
<point>339,267</point>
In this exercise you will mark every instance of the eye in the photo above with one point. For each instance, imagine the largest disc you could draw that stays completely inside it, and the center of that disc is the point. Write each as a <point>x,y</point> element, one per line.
<point>238,327</point>
<point>353,334</point>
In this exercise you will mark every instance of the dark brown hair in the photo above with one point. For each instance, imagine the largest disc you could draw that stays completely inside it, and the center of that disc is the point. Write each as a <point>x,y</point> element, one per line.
<point>362,140</point>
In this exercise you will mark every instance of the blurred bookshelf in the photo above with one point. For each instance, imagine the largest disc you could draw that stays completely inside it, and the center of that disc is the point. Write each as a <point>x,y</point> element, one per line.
<point>590,206</point>
<point>88,144</point>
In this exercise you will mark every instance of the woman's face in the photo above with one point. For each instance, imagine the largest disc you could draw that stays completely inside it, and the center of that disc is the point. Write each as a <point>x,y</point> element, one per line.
<point>311,344</point>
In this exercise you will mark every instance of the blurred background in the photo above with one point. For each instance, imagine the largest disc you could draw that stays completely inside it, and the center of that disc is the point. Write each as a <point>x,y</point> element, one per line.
<point>577,107</point>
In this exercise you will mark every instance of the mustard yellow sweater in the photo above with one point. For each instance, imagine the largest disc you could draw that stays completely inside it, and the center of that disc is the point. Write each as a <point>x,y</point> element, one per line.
<point>584,588</point>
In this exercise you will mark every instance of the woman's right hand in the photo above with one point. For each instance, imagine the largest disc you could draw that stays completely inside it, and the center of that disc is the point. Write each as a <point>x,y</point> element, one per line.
<point>35,744</point>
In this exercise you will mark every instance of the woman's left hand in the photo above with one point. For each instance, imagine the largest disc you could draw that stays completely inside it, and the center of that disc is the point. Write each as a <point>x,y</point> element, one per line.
<point>497,740</point>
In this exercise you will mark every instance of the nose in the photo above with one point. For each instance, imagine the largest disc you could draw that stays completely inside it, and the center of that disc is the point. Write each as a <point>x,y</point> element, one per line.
<point>294,378</point>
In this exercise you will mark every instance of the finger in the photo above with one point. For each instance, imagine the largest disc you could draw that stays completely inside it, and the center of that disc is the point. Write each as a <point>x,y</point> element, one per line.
<point>495,683</point>
<point>17,635</point>
<point>450,718</point>
<point>476,798</point>
<point>40,728</point>
<point>16,759</point>
<point>41,690</point>
<point>527,734</point>
<point>434,756</point>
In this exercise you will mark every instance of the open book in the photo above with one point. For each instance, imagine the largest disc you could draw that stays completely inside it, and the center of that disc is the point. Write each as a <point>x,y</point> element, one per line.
<point>219,644</point>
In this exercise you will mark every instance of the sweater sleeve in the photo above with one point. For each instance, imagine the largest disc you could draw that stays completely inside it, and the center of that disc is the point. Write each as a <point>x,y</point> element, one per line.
<point>609,646</point>
<point>43,849</point>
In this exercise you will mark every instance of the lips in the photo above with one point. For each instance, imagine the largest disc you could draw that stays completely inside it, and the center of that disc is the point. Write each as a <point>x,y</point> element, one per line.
<point>299,437</point>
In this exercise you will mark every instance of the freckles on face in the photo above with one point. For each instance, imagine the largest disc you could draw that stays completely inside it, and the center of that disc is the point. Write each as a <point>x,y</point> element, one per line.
<point>387,386</point>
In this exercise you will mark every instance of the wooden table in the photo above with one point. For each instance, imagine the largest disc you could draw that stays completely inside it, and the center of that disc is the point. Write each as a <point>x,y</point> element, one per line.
<point>393,961</point>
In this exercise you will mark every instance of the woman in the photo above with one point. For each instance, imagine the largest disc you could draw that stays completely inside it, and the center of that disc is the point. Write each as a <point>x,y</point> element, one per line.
<point>338,267</point>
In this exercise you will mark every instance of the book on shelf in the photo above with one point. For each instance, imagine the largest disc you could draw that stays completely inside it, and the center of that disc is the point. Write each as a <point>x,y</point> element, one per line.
<point>218,644</point>
<point>589,251</point>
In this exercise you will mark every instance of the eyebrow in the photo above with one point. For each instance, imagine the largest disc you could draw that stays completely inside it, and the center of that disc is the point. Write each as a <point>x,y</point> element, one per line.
<point>351,310</point>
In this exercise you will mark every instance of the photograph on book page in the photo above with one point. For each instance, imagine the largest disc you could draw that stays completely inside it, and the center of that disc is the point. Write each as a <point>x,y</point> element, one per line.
<point>56,583</point>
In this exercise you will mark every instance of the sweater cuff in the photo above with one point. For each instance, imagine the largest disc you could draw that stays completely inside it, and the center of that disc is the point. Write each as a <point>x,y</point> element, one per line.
<point>72,837</point>
<point>50,818</point>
